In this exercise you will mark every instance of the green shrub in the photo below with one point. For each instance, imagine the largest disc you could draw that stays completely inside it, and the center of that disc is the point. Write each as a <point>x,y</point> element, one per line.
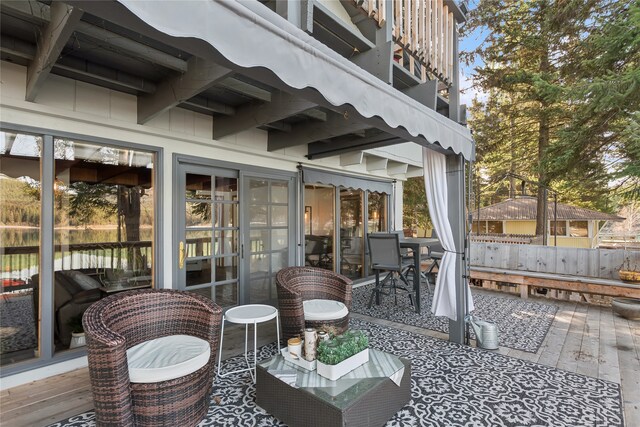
<point>342,347</point>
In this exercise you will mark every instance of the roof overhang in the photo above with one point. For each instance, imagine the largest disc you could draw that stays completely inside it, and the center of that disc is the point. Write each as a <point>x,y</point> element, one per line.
<point>252,40</point>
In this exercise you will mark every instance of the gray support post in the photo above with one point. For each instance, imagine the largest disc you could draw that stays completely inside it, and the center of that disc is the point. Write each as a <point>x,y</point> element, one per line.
<point>454,90</point>
<point>456,197</point>
<point>45,287</point>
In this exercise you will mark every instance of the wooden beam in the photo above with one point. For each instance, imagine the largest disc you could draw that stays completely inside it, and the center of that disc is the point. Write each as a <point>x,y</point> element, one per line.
<point>350,159</point>
<point>80,69</point>
<point>282,105</point>
<point>201,74</point>
<point>397,168</point>
<point>336,125</point>
<point>207,106</point>
<point>346,144</point>
<point>50,44</point>
<point>582,284</point>
<point>244,88</point>
<point>40,14</point>
<point>139,50</point>
<point>315,114</point>
<point>425,93</point>
<point>376,163</point>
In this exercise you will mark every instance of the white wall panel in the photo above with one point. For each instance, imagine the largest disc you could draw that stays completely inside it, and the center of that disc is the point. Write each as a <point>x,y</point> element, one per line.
<point>93,100</point>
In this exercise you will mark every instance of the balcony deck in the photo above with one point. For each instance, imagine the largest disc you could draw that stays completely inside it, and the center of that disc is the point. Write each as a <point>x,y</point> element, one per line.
<point>587,339</point>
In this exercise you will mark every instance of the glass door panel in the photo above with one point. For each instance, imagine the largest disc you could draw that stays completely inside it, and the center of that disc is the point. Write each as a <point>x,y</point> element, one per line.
<point>319,223</point>
<point>267,234</point>
<point>208,255</point>
<point>351,233</point>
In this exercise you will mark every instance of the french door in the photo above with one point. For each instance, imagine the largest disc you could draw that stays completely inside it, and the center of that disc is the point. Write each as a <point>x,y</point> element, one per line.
<point>268,232</point>
<point>234,232</point>
<point>208,253</point>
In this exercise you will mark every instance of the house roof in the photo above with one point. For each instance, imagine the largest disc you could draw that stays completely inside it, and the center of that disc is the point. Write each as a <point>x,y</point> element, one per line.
<point>524,208</point>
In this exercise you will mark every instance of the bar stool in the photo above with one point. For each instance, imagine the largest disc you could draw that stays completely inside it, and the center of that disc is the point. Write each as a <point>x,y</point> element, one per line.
<point>246,315</point>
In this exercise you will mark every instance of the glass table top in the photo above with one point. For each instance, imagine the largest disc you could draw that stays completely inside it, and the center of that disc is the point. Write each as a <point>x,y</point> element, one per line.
<point>343,391</point>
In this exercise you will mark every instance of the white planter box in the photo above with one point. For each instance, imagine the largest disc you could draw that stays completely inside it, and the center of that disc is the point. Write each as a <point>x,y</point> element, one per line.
<point>303,363</point>
<point>333,372</point>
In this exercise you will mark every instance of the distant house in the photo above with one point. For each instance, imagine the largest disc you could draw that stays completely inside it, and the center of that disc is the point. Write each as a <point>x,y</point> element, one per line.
<point>576,227</point>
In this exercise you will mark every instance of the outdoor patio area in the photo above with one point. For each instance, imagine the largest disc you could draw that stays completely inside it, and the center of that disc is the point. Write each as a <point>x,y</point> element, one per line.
<point>586,371</point>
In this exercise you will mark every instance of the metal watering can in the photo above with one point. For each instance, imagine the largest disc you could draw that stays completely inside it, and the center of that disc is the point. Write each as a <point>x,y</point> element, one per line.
<point>486,333</point>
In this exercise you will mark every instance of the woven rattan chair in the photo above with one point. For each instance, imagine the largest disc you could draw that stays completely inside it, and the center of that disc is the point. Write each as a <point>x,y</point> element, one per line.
<point>298,284</point>
<point>121,321</point>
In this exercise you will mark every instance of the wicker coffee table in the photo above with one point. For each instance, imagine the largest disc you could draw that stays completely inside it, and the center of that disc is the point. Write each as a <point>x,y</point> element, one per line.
<point>368,396</point>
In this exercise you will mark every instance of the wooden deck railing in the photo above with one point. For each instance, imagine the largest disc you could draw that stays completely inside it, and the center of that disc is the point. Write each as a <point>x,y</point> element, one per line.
<point>424,30</point>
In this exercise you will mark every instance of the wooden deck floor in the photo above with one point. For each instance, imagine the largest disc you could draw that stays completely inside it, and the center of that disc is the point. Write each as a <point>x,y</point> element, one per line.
<point>584,338</point>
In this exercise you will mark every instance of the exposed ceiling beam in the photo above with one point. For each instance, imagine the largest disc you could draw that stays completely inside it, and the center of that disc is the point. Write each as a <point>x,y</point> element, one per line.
<point>315,114</point>
<point>318,150</point>
<point>79,69</point>
<point>244,88</point>
<point>40,13</point>
<point>136,49</point>
<point>282,105</point>
<point>201,74</point>
<point>350,159</point>
<point>54,37</point>
<point>207,106</point>
<point>376,163</point>
<point>336,125</point>
<point>397,168</point>
<point>279,125</point>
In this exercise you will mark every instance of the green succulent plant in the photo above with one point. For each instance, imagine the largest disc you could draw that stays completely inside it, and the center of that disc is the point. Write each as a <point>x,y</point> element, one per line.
<point>342,347</point>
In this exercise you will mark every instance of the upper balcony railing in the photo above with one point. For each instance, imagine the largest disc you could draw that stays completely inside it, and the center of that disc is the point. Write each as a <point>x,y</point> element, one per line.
<point>424,31</point>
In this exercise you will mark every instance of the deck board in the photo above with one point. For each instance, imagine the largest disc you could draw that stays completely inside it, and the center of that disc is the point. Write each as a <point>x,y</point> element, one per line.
<point>583,338</point>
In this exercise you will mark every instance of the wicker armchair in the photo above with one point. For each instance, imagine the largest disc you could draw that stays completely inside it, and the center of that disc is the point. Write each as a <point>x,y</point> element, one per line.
<point>298,284</point>
<point>121,321</point>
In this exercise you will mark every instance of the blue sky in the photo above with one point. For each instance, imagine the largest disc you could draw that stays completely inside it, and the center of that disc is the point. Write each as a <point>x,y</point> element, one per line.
<point>470,42</point>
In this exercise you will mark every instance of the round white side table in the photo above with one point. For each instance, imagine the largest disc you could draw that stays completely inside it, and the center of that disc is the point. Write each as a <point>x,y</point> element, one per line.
<point>246,315</point>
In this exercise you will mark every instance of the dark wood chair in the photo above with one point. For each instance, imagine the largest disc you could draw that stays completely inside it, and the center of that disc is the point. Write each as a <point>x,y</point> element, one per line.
<point>298,284</point>
<point>121,321</point>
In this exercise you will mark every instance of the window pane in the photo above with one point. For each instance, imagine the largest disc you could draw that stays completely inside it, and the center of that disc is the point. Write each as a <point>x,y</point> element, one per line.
<point>199,243</point>
<point>279,192</point>
<point>20,184</point>
<point>578,229</point>
<point>377,212</point>
<point>279,216</point>
<point>198,187</point>
<point>562,228</point>
<point>198,214</point>
<point>494,227</point>
<point>103,227</point>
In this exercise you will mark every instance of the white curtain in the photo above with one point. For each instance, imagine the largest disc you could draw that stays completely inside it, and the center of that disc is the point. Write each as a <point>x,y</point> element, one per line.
<point>435,183</point>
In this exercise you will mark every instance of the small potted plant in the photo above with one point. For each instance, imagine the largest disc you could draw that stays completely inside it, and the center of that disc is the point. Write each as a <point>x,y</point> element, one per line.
<point>77,331</point>
<point>342,354</point>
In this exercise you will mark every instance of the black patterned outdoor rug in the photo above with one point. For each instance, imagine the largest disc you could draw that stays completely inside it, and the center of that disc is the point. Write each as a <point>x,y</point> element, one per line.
<point>452,385</point>
<point>17,323</point>
<point>522,325</point>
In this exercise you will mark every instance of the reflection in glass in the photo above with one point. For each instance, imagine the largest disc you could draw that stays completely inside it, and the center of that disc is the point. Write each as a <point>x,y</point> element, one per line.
<point>226,242</point>
<point>103,219</point>
<point>268,209</point>
<point>279,216</point>
<point>198,271</point>
<point>351,233</point>
<point>198,186</point>
<point>320,201</point>
<point>279,192</point>
<point>20,184</point>
<point>199,243</point>
<point>226,188</point>
<point>226,295</point>
<point>377,212</point>
<point>198,214</point>
<point>226,268</point>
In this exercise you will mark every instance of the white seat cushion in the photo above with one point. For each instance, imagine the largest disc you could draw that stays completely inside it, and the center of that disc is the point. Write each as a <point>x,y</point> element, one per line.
<point>324,309</point>
<point>167,358</point>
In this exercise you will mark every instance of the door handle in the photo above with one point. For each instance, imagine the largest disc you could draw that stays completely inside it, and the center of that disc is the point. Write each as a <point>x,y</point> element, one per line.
<point>181,255</point>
